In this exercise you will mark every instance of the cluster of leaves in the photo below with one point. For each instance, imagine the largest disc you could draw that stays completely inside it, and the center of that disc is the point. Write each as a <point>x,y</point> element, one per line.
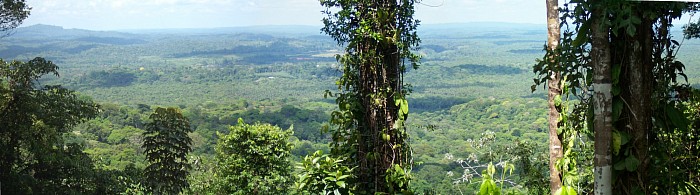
<point>111,78</point>
<point>166,145</point>
<point>516,126</point>
<point>692,30</point>
<point>253,159</point>
<point>488,183</point>
<point>324,174</point>
<point>35,132</point>
<point>522,170</point>
<point>572,61</point>
<point>13,12</point>
<point>679,147</point>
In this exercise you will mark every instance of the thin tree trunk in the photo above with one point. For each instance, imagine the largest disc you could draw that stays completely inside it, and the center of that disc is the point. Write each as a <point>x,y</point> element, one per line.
<point>602,101</point>
<point>554,89</point>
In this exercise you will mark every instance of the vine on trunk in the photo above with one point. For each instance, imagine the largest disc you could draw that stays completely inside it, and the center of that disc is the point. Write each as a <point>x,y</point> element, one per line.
<point>647,108</point>
<point>369,129</point>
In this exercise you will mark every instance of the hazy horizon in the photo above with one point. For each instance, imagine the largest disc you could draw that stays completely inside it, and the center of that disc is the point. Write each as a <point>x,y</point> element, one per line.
<point>183,14</point>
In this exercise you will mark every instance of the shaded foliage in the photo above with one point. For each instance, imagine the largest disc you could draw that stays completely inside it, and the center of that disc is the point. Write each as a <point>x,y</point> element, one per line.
<point>483,69</point>
<point>32,124</point>
<point>12,13</point>
<point>111,78</point>
<point>166,143</point>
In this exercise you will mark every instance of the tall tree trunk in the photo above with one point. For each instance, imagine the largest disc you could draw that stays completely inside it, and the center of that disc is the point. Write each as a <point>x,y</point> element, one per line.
<point>554,89</point>
<point>379,77</point>
<point>636,82</point>
<point>602,100</point>
<point>371,88</point>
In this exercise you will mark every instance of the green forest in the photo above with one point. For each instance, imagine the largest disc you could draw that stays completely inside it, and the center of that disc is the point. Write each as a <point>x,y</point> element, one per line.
<point>453,108</point>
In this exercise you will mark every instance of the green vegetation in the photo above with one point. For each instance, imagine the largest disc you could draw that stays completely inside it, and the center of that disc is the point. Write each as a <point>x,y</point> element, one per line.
<point>369,124</point>
<point>470,102</point>
<point>33,122</point>
<point>253,159</point>
<point>324,174</point>
<point>166,144</point>
<point>620,61</point>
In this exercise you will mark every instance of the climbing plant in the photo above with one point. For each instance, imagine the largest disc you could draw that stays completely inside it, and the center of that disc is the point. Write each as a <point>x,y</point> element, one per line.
<point>643,72</point>
<point>372,106</point>
<point>570,59</point>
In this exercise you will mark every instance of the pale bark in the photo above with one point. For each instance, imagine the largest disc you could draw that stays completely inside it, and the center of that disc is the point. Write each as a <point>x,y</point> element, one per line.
<point>602,101</point>
<point>554,89</point>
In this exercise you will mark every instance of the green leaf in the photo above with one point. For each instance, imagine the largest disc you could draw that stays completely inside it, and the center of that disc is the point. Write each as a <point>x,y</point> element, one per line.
<point>341,184</point>
<point>557,100</point>
<point>617,108</point>
<point>404,106</point>
<point>570,190</point>
<point>676,117</point>
<point>494,188</point>
<point>484,188</point>
<point>560,130</point>
<point>616,142</point>
<point>560,191</point>
<point>631,163</point>
<point>620,165</point>
<point>566,190</point>
<point>631,30</point>
<point>302,184</point>
<point>624,138</point>
<point>616,90</point>
<point>582,36</point>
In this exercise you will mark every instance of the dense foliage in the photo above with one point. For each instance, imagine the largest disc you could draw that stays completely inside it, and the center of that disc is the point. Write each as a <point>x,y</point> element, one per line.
<point>372,103</point>
<point>35,158</point>
<point>324,174</point>
<point>166,144</point>
<point>253,159</point>
<point>12,13</point>
<point>470,83</point>
<point>624,54</point>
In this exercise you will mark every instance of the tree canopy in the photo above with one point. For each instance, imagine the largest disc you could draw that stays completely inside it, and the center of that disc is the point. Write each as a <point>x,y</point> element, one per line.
<point>166,145</point>
<point>254,159</point>
<point>32,124</point>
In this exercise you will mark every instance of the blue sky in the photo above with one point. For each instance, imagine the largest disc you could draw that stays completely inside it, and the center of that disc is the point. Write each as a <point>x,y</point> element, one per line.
<point>155,14</point>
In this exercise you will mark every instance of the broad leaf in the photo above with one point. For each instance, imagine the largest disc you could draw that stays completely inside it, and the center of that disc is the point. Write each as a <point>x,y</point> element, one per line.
<point>616,141</point>
<point>631,163</point>
<point>617,108</point>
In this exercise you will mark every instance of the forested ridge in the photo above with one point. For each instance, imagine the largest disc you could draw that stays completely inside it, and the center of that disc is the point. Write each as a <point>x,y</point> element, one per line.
<point>264,110</point>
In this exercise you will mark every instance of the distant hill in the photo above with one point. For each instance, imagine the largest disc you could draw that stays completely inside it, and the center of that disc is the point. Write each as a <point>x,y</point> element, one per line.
<point>479,30</point>
<point>48,40</point>
<point>315,30</point>
<point>270,29</point>
<point>483,26</point>
<point>50,31</point>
